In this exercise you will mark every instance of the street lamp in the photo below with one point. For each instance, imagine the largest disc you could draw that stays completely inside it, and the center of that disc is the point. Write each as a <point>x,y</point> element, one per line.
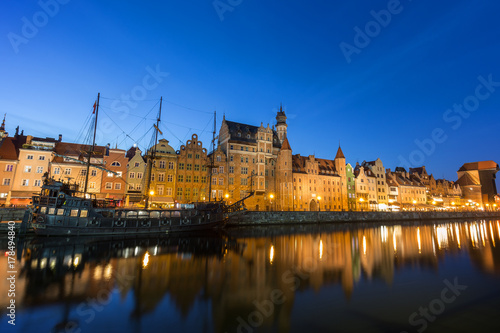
<point>319,205</point>
<point>271,196</point>
<point>414,202</point>
<point>361,203</point>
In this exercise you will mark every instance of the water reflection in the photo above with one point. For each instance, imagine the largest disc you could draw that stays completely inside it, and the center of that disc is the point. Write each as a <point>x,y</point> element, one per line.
<point>228,283</point>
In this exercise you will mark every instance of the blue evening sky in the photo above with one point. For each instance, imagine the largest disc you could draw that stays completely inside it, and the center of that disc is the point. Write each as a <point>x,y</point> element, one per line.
<point>375,86</point>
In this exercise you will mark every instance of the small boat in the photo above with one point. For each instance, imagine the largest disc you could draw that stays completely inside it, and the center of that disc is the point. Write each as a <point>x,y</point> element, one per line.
<point>61,209</point>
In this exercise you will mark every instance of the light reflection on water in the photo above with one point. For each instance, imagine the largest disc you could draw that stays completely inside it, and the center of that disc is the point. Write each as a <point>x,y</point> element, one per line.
<point>360,277</point>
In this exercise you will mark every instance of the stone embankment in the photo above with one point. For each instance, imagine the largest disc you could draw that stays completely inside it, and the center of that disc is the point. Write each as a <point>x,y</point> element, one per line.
<point>12,214</point>
<point>250,218</point>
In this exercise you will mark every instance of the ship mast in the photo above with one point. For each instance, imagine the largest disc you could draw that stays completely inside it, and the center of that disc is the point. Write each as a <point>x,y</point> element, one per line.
<point>210,169</point>
<point>91,152</point>
<point>152,156</point>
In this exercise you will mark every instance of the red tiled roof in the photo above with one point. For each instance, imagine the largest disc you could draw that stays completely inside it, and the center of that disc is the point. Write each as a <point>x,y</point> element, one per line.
<point>9,147</point>
<point>285,145</point>
<point>482,165</point>
<point>340,154</point>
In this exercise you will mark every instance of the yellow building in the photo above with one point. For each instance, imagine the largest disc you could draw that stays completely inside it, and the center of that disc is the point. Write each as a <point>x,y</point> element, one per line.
<point>163,175</point>
<point>192,172</point>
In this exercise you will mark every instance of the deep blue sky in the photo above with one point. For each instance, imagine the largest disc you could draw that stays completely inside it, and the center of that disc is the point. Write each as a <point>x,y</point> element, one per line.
<point>395,90</point>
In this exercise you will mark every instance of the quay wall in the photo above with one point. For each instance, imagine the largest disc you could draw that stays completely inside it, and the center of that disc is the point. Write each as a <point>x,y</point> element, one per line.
<point>252,218</point>
<point>12,214</point>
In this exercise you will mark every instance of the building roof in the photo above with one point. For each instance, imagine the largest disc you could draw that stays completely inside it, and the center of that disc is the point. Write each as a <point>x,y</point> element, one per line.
<point>482,165</point>
<point>285,145</point>
<point>9,147</point>
<point>467,180</point>
<point>325,166</point>
<point>247,133</point>
<point>340,154</point>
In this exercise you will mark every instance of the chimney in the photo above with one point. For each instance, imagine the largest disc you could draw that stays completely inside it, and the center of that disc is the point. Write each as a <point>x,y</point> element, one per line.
<point>60,137</point>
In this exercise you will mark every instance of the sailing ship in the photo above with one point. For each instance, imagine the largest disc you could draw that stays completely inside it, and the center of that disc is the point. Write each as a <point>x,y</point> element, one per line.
<point>61,209</point>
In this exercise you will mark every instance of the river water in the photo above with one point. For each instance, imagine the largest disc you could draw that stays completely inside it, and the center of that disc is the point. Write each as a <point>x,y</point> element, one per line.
<point>409,277</point>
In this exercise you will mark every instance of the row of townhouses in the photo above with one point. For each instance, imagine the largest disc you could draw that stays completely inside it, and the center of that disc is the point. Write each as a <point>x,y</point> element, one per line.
<point>254,163</point>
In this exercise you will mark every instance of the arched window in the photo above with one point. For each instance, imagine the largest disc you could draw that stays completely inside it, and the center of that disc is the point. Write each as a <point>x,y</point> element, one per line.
<point>115,163</point>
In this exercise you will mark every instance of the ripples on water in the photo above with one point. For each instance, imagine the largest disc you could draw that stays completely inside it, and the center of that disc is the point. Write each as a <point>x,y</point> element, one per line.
<point>334,278</point>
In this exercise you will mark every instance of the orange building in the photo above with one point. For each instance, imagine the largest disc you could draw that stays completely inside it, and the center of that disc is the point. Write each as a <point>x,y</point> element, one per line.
<point>114,182</point>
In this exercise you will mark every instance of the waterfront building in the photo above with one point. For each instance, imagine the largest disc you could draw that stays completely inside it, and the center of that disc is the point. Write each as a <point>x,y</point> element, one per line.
<point>366,188</point>
<point>351,187</point>
<point>136,169</point>
<point>163,174</point>
<point>411,194</point>
<point>251,153</point>
<point>220,188</point>
<point>34,156</point>
<point>9,160</point>
<point>69,164</point>
<point>377,168</point>
<point>192,171</point>
<point>114,182</point>
<point>477,180</point>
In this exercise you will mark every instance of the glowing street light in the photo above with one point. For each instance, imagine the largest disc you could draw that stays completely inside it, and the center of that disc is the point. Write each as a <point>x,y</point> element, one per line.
<point>319,204</point>
<point>361,203</point>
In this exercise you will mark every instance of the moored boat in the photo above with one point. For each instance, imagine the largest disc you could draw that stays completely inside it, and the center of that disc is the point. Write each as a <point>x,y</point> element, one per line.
<point>61,209</point>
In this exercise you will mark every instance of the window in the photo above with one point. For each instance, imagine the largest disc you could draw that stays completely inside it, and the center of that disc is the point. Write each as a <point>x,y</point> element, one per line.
<point>110,174</point>
<point>159,189</point>
<point>29,157</point>
<point>39,169</point>
<point>169,191</point>
<point>136,164</point>
<point>41,158</point>
<point>92,185</point>
<point>138,187</point>
<point>231,147</point>
<point>119,174</point>
<point>170,178</point>
<point>9,167</point>
<point>130,186</point>
<point>27,168</point>
<point>244,181</point>
<point>203,179</point>
<point>180,178</point>
<point>214,171</point>
<point>131,175</point>
<point>221,181</point>
<point>196,179</point>
<point>179,191</point>
<point>171,165</point>
<point>231,169</point>
<point>189,167</point>
<point>231,181</point>
<point>188,179</point>
<point>6,181</point>
<point>109,186</point>
<point>220,193</point>
<point>187,194</point>
<point>197,156</point>
<point>116,164</point>
<point>38,182</point>
<point>152,177</point>
<point>195,192</point>
<point>93,173</point>
<point>181,166</point>
<point>67,171</point>
<point>25,182</point>
<point>231,158</point>
<point>218,158</point>
<point>118,186</point>
<point>139,175</point>
<point>161,177</point>
<point>214,181</point>
<point>244,171</point>
<point>196,167</point>
<point>83,172</point>
<point>221,169</point>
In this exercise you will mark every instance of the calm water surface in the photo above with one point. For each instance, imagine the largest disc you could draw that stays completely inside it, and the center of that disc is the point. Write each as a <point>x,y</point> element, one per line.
<point>442,277</point>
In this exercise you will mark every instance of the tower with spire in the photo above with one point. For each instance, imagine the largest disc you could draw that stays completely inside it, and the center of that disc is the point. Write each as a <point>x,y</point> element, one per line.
<point>340,167</point>
<point>3,134</point>
<point>281,125</point>
<point>284,184</point>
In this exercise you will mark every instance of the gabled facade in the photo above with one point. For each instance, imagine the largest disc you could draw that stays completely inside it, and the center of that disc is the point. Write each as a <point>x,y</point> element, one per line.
<point>162,173</point>
<point>114,181</point>
<point>378,170</point>
<point>9,160</point>
<point>478,174</point>
<point>136,169</point>
<point>351,187</point>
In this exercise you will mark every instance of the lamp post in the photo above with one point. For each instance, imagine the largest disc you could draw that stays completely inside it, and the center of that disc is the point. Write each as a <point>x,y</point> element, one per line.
<point>361,203</point>
<point>151,193</point>
<point>319,205</point>
<point>271,196</point>
<point>414,208</point>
